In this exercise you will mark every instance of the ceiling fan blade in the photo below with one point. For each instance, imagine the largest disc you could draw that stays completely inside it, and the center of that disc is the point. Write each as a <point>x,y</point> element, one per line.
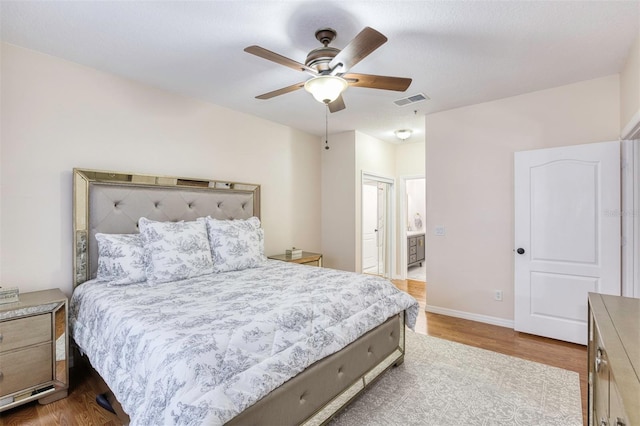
<point>337,105</point>
<point>279,59</point>
<point>399,84</point>
<point>360,47</point>
<point>282,91</point>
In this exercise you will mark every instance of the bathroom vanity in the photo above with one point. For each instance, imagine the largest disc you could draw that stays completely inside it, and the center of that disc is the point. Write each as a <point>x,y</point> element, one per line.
<point>415,248</point>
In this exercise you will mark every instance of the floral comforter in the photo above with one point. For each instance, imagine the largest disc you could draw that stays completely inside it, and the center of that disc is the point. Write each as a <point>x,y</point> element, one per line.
<point>201,350</point>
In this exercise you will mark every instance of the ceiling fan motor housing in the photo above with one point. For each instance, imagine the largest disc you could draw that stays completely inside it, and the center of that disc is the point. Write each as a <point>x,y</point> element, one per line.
<point>319,58</point>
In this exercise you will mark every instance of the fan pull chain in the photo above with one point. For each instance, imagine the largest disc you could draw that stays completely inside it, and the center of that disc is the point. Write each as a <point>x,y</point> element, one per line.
<point>326,127</point>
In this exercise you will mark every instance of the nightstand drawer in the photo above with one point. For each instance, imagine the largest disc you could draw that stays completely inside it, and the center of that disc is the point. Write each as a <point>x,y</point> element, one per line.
<point>23,332</point>
<point>25,368</point>
<point>413,250</point>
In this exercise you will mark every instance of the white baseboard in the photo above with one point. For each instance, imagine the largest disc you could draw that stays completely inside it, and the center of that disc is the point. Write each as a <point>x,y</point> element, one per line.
<point>470,316</point>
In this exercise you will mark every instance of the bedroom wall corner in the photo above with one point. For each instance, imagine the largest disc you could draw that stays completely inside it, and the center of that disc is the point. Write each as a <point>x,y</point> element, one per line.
<point>376,157</point>
<point>57,115</point>
<point>630,91</point>
<point>469,177</point>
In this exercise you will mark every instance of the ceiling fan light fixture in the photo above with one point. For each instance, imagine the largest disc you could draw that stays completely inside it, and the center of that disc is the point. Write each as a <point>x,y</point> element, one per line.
<point>326,88</point>
<point>403,134</point>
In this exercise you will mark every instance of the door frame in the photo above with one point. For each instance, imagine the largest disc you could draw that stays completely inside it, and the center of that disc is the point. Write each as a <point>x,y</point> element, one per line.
<point>391,220</point>
<point>370,219</point>
<point>630,216</point>
<point>630,208</point>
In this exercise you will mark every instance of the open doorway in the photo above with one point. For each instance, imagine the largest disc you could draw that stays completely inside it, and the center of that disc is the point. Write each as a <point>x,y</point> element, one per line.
<point>376,225</point>
<point>414,226</point>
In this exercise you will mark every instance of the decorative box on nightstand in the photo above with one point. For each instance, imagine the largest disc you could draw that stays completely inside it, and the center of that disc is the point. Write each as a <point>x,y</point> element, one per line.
<point>34,347</point>
<point>307,258</point>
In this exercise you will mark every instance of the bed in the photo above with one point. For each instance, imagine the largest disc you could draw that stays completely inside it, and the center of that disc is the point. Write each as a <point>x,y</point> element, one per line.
<point>267,342</point>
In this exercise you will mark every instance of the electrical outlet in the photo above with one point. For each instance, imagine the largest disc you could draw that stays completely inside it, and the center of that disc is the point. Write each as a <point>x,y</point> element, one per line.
<point>439,231</point>
<point>498,295</point>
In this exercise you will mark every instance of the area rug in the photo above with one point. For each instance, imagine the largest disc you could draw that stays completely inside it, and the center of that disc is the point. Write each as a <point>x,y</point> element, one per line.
<point>446,383</point>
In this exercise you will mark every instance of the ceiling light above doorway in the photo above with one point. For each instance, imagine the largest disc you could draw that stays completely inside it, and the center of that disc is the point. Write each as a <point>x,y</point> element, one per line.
<point>403,134</point>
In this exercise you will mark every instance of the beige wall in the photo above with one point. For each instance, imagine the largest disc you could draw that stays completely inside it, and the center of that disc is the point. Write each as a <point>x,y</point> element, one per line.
<point>630,88</point>
<point>57,115</point>
<point>338,210</point>
<point>410,159</point>
<point>469,171</point>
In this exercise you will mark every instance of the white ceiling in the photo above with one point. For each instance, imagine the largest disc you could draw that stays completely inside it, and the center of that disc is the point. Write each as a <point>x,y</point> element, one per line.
<point>457,52</point>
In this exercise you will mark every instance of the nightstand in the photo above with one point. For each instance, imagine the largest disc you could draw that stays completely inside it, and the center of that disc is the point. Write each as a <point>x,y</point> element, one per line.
<point>307,258</point>
<point>34,348</point>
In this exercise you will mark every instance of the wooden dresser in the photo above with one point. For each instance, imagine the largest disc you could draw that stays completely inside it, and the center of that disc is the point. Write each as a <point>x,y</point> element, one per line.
<point>34,349</point>
<point>614,361</point>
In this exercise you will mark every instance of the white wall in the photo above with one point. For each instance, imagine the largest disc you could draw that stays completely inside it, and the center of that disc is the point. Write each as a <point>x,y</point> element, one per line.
<point>57,115</point>
<point>469,171</point>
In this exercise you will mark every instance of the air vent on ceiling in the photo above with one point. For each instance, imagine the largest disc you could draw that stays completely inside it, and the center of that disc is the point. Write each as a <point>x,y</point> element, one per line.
<point>411,99</point>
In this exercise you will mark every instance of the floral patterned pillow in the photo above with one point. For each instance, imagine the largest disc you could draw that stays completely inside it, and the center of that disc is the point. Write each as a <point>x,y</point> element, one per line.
<point>236,244</point>
<point>176,250</point>
<point>120,259</point>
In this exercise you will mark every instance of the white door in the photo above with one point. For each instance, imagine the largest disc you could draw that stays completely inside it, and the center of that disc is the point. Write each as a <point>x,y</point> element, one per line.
<point>369,227</point>
<point>567,236</point>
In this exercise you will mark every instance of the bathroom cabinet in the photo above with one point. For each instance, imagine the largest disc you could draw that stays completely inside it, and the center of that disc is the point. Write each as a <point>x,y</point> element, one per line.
<point>415,249</point>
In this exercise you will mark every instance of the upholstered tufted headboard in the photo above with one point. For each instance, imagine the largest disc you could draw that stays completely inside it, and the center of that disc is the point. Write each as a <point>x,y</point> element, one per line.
<point>112,202</point>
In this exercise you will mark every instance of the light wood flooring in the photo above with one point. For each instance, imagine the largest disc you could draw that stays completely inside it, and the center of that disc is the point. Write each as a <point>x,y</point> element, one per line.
<point>79,408</point>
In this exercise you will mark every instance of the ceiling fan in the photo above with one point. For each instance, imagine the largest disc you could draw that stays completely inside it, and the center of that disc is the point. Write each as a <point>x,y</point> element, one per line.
<point>329,68</point>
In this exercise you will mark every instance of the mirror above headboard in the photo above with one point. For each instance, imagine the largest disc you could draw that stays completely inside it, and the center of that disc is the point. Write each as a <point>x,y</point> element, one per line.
<point>112,202</point>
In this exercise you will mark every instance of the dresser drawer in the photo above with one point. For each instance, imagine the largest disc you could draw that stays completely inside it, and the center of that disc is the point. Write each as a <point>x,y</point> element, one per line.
<point>25,368</point>
<point>413,250</point>
<point>23,332</point>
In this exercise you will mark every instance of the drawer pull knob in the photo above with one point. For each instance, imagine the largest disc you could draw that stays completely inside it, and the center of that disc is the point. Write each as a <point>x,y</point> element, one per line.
<point>599,362</point>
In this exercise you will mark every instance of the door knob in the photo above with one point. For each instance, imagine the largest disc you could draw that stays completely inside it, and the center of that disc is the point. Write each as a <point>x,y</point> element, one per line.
<point>520,250</point>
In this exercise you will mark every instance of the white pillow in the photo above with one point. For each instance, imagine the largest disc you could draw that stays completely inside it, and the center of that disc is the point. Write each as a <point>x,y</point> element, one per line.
<point>175,250</point>
<point>236,244</point>
<point>120,259</point>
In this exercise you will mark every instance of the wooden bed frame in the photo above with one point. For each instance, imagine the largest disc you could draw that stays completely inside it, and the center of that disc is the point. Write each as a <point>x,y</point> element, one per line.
<point>112,202</point>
